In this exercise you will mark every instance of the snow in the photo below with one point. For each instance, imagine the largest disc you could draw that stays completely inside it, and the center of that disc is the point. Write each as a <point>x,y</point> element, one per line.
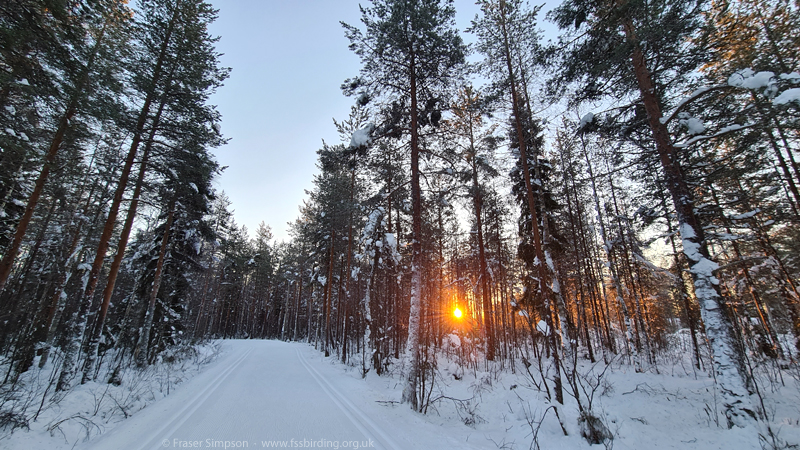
<point>706,267</point>
<point>586,120</point>
<point>695,125</point>
<point>90,409</point>
<point>283,391</point>
<point>260,394</point>
<point>372,222</point>
<point>362,137</point>
<point>391,242</point>
<point>693,96</point>
<point>722,131</point>
<point>748,79</point>
<point>691,249</point>
<point>789,95</point>
<point>746,215</point>
<point>263,393</point>
<point>793,77</point>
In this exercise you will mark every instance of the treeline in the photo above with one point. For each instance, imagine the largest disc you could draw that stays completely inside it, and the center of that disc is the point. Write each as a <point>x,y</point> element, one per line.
<point>105,180</point>
<point>626,191</point>
<point>599,197</point>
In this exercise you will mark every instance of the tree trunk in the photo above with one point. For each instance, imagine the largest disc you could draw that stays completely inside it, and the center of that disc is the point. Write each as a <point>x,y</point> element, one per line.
<point>7,262</point>
<point>415,309</point>
<point>142,350</point>
<point>544,276</point>
<point>85,299</point>
<point>486,295</point>
<point>727,356</point>
<point>326,307</point>
<point>97,332</point>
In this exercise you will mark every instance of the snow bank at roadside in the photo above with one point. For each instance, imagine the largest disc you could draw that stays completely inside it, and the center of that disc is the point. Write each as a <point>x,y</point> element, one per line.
<point>672,406</point>
<point>64,420</point>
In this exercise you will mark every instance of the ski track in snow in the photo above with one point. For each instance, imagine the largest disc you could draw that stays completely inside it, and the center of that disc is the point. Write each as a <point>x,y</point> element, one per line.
<point>350,410</point>
<point>192,406</point>
<point>270,391</point>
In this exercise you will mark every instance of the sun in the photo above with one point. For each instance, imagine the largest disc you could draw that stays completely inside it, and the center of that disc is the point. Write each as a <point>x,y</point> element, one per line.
<point>457,313</point>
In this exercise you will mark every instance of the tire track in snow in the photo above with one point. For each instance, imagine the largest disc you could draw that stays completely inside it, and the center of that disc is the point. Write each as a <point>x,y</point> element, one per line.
<point>155,442</point>
<point>359,419</point>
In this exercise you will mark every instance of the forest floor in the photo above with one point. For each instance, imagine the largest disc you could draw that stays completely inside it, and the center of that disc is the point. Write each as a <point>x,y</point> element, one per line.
<point>262,394</point>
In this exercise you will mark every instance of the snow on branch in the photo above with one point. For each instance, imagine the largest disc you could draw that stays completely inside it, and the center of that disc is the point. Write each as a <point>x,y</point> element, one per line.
<point>749,79</point>
<point>692,97</point>
<point>362,137</point>
<point>789,95</point>
<point>724,131</point>
<point>745,79</point>
<point>586,120</point>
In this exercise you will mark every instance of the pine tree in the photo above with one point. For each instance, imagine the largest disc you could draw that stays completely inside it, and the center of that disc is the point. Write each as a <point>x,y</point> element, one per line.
<point>182,115</point>
<point>89,66</point>
<point>410,51</point>
<point>508,39</point>
<point>631,47</point>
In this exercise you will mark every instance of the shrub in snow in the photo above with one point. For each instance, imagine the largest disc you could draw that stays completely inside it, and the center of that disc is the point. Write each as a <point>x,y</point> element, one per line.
<point>593,429</point>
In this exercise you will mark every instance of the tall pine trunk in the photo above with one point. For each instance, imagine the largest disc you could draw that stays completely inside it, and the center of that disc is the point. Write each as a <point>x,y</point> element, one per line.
<point>78,327</point>
<point>97,332</point>
<point>731,376</point>
<point>7,262</point>
<point>415,307</point>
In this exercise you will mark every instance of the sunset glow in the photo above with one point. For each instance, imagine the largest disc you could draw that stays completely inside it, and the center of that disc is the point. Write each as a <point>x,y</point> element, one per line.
<point>457,313</point>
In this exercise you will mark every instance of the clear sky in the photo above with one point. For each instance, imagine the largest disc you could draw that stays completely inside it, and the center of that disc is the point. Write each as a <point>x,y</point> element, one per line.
<point>289,58</point>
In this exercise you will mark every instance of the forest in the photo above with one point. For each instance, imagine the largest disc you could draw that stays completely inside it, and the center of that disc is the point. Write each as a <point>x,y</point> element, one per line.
<point>625,193</point>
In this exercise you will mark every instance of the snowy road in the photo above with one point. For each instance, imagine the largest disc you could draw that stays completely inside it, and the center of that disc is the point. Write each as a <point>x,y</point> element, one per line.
<point>264,394</point>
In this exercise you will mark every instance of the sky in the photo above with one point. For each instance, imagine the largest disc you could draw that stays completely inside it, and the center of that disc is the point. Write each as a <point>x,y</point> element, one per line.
<point>288,59</point>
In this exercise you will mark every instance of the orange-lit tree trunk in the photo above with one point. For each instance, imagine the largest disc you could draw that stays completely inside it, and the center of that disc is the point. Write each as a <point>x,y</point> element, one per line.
<point>81,88</point>
<point>113,272</point>
<point>78,322</point>
<point>726,351</point>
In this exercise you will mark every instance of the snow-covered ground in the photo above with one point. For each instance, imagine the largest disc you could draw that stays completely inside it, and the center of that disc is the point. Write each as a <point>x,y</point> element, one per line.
<point>261,394</point>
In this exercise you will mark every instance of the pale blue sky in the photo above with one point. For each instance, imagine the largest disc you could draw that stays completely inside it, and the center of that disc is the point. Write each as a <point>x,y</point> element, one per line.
<point>288,59</point>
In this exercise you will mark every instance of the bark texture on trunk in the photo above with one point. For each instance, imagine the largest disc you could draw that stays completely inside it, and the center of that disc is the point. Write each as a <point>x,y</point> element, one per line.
<point>727,355</point>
